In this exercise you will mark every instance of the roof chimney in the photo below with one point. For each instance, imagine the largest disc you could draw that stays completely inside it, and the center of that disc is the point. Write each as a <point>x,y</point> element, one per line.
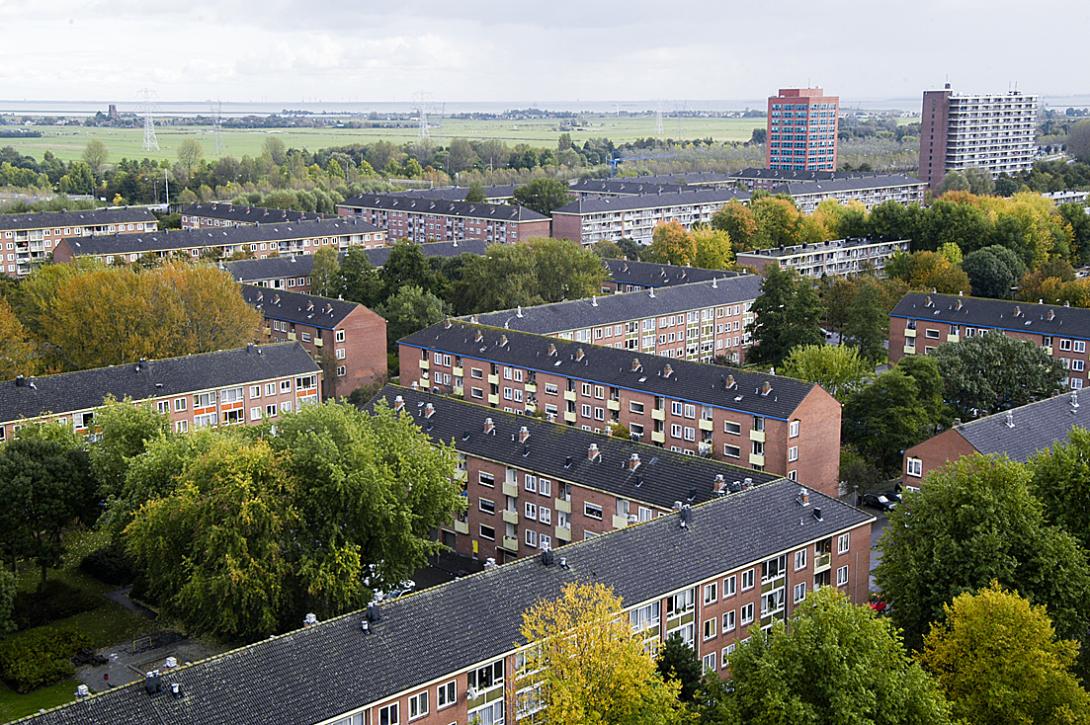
<point>519,313</point>
<point>719,485</point>
<point>729,382</point>
<point>633,462</point>
<point>1009,419</point>
<point>636,366</point>
<point>524,434</point>
<point>594,300</point>
<point>651,293</point>
<point>429,410</point>
<point>489,427</point>
<point>928,302</point>
<point>804,496</point>
<point>503,340</point>
<point>551,350</point>
<point>667,371</point>
<point>593,454</point>
<point>817,514</point>
<point>1017,311</point>
<point>1051,315</point>
<point>310,619</point>
<point>766,388</point>
<point>478,337</point>
<point>579,354</point>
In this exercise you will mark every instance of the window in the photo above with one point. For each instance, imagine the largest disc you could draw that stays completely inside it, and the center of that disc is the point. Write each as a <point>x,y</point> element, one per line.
<point>842,543</point>
<point>389,715</point>
<point>531,511</point>
<point>544,515</point>
<point>487,532</point>
<point>730,586</point>
<point>592,511</point>
<point>341,353</point>
<point>732,451</point>
<point>729,426</point>
<point>270,388</point>
<point>793,453</point>
<point>339,336</point>
<point>747,614</point>
<point>708,662</point>
<point>446,694</point>
<point>747,580</point>
<point>1065,345</point>
<point>793,429</point>
<point>255,413</point>
<point>255,391</point>
<point>711,592</point>
<point>728,621</point>
<point>914,467</point>
<point>842,576</point>
<point>270,410</point>
<point>476,373</point>
<point>486,505</point>
<point>531,483</point>
<point>800,592</point>
<point>1080,346</point>
<point>545,487</point>
<point>285,386</point>
<point>531,538</point>
<point>800,559</point>
<point>709,629</point>
<point>486,479</point>
<point>931,334</point>
<point>418,705</point>
<point>477,393</point>
<point>645,617</point>
<point>179,404</point>
<point>635,407</point>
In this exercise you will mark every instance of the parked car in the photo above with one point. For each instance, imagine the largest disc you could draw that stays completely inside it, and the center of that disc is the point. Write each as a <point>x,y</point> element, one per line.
<point>879,501</point>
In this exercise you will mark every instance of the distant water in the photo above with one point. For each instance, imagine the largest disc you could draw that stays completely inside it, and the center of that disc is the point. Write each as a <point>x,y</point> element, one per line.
<point>264,108</point>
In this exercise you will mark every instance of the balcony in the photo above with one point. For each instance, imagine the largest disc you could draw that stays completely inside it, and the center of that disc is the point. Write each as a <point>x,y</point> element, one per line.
<point>457,372</point>
<point>531,387</point>
<point>268,330</point>
<point>563,504</point>
<point>620,521</point>
<point>510,517</point>
<point>910,349</point>
<point>569,416</point>
<point>707,424</point>
<point>658,436</point>
<point>424,363</point>
<point>1047,349</point>
<point>460,474</point>
<point>823,562</point>
<point>569,395</point>
<point>952,337</point>
<point>756,459</point>
<point>462,527</point>
<point>613,404</point>
<point>494,379</point>
<point>658,414</point>
<point>531,407</point>
<point>757,435</point>
<point>563,533</point>
<point>292,336</point>
<point>425,384</point>
<point>318,342</point>
<point>910,332</point>
<point>511,488</point>
<point>510,543</point>
<point>493,399</point>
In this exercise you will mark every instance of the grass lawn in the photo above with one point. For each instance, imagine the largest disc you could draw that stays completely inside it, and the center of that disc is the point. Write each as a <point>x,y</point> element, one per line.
<point>14,706</point>
<point>68,142</point>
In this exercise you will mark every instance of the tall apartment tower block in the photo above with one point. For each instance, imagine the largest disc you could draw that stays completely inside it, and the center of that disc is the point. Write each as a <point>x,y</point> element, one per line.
<point>802,128</point>
<point>994,131</point>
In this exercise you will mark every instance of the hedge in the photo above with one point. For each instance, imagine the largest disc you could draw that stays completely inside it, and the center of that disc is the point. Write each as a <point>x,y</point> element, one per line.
<point>40,657</point>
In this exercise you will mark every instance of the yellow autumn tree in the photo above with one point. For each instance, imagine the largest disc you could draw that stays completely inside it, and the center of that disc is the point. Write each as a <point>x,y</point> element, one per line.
<point>590,668</point>
<point>18,353</point>
<point>713,249</point>
<point>671,243</point>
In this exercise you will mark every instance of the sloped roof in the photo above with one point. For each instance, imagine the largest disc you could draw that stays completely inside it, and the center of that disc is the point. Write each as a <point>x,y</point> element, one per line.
<point>469,209</point>
<point>1022,432</point>
<point>1009,315</point>
<point>247,214</point>
<point>650,274</point>
<point>688,195</point>
<point>299,265</point>
<point>90,217</point>
<point>298,307</point>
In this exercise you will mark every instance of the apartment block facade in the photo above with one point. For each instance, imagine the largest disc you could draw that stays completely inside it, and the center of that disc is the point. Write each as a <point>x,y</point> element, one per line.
<point>431,220</point>
<point>921,322</point>
<point>259,241</point>
<point>28,240</point>
<point>870,191</point>
<point>346,339</point>
<point>204,216</point>
<point>836,258</point>
<point>693,321</point>
<point>496,194</point>
<point>230,387</point>
<point>753,420</point>
<point>621,216</point>
<point>626,275</point>
<point>531,485</point>
<point>802,130</point>
<point>453,654</point>
<point>995,132</point>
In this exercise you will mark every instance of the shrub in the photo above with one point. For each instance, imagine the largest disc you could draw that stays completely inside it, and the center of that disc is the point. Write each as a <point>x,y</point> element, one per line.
<point>40,657</point>
<point>109,564</point>
<point>54,600</point>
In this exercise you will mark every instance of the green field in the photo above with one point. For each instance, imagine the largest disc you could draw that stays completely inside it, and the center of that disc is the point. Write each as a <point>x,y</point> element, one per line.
<point>67,142</point>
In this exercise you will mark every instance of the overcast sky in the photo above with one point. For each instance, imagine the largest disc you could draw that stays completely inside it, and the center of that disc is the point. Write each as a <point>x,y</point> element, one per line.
<point>478,50</point>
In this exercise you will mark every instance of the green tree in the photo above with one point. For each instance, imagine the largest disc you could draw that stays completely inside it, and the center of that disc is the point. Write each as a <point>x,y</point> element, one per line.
<point>713,249</point>
<point>592,669</point>
<point>606,249</point>
<point>325,274</point>
<point>543,195</point>
<point>997,658</point>
<point>671,243</point>
<point>124,430</point>
<point>501,278</point>
<point>95,155</point>
<point>19,354</point>
<point>778,222</point>
<point>974,522</point>
<point>475,193</point>
<point>953,181</point>
<point>991,373</point>
<point>565,270</point>
<point>677,661</point>
<point>866,323</point>
<point>885,418</point>
<point>988,274</point>
<point>924,370</point>
<point>838,369</point>
<point>865,674</point>
<point>1061,481</point>
<point>737,220</point>
<point>46,485</point>
<point>1078,141</point>
<point>360,279</point>
<point>787,315</point>
<point>8,588</point>
<point>190,155</point>
<point>406,265</point>
<point>408,310</point>
<point>980,181</point>
<point>79,179</point>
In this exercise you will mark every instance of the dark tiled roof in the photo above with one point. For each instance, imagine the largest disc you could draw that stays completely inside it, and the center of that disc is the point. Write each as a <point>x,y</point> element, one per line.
<point>649,274</point>
<point>634,186</point>
<point>694,382</point>
<point>247,214</point>
<point>190,238</point>
<point>1036,426</point>
<point>688,195</point>
<point>140,381</point>
<point>297,307</point>
<point>803,188</point>
<point>997,314</point>
<point>458,193</point>
<point>816,247</point>
<point>292,265</point>
<point>662,478</point>
<point>609,309</point>
<point>93,217</point>
<point>473,210</point>
<point>331,668</point>
<point>685,178</point>
<point>795,175</point>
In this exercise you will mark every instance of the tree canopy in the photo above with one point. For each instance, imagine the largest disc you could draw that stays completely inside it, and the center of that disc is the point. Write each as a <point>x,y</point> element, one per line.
<point>543,195</point>
<point>1061,482</point>
<point>837,368</point>
<point>786,315</point>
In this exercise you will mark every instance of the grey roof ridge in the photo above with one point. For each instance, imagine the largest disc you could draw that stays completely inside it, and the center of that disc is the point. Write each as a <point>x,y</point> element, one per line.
<point>988,418</point>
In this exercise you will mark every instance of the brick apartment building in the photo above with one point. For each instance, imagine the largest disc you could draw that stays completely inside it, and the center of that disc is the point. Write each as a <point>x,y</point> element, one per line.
<point>869,191</point>
<point>346,339</point>
<point>692,321</point>
<point>259,240</point>
<point>432,220</point>
<point>27,240</point>
<point>630,186</point>
<point>453,655</point>
<point>230,387</point>
<point>995,132</point>
<point>203,216</point>
<point>498,194</point>
<point>533,485</point>
<point>630,276</point>
<point>754,420</point>
<point>293,271</point>
<point>611,218</point>
<point>921,322</point>
<point>802,130</point>
<point>1018,434</point>
<point>836,258</point>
